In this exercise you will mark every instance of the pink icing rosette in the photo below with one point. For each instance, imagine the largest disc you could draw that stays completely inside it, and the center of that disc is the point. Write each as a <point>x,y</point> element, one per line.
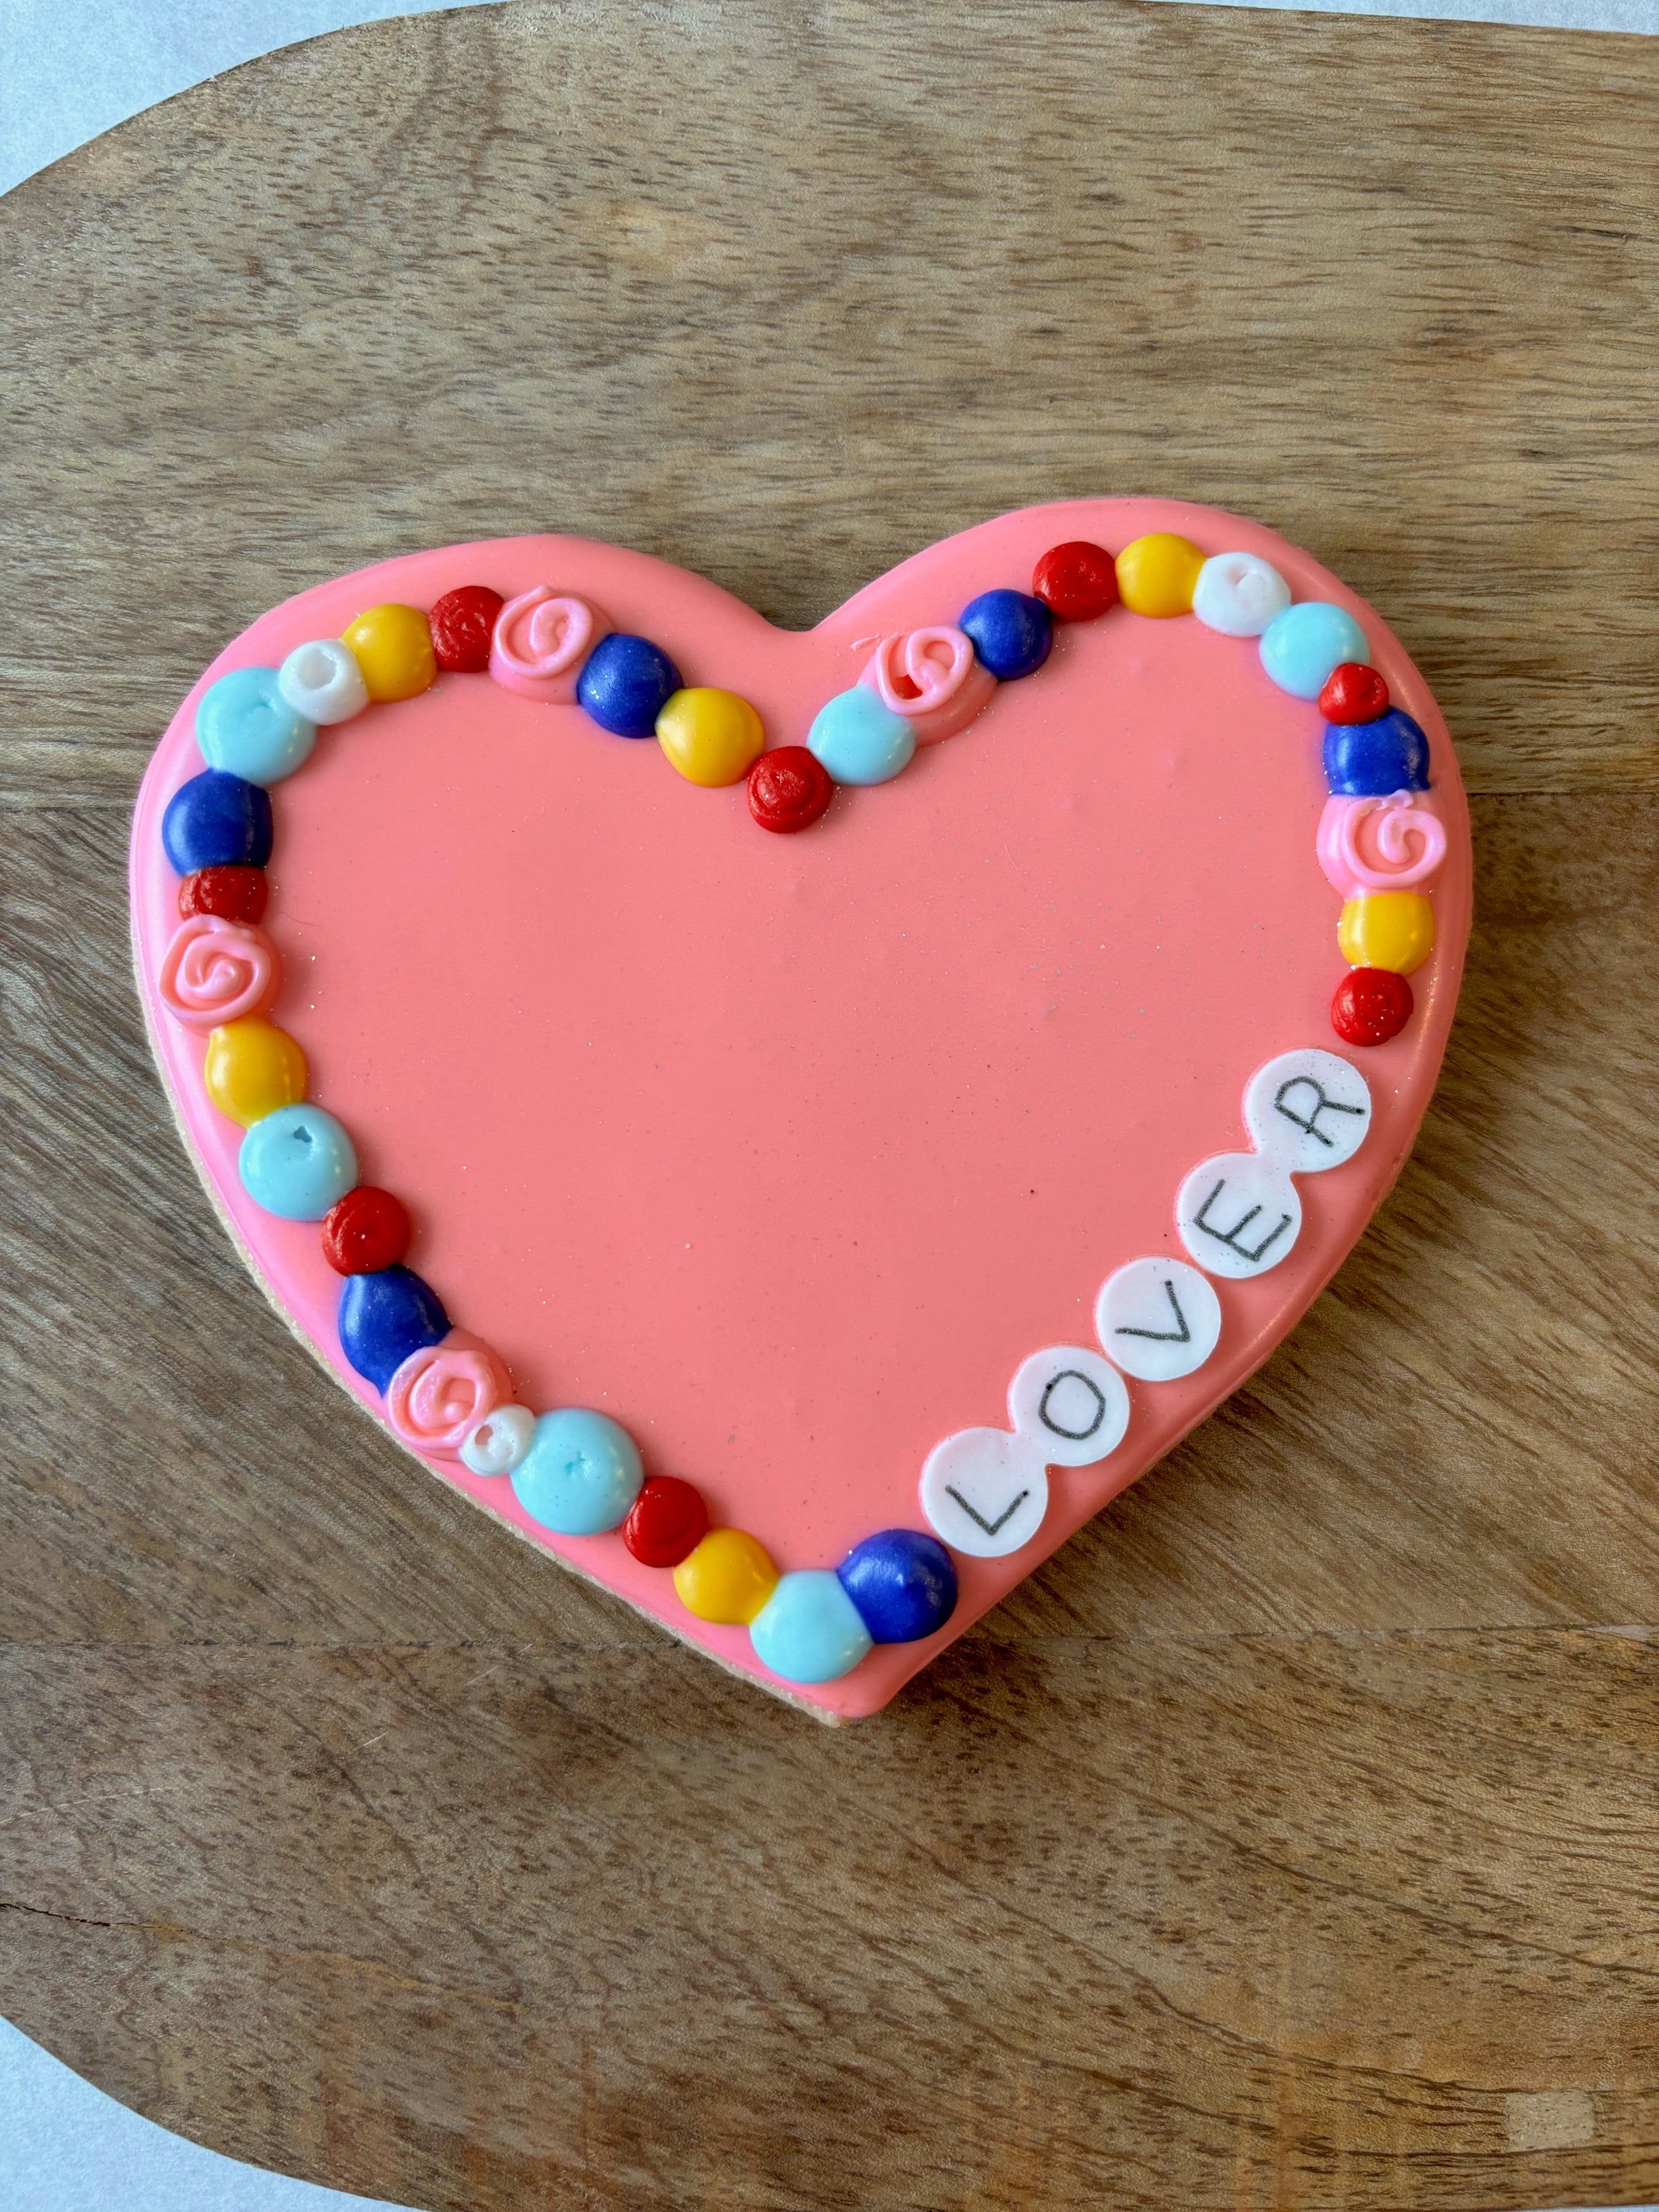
<point>215,971</point>
<point>541,640</point>
<point>438,1393</point>
<point>933,677</point>
<point>1380,844</point>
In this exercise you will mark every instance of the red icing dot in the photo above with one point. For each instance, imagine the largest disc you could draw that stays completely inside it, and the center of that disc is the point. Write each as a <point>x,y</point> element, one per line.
<point>788,789</point>
<point>233,892</point>
<point>1076,581</point>
<point>666,1522</point>
<point>368,1230</point>
<point>462,625</point>
<point>1354,693</point>
<point>1371,1005</point>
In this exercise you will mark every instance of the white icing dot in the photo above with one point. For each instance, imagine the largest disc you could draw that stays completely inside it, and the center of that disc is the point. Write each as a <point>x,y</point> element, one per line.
<point>497,1444</point>
<point>322,681</point>
<point>1238,1214</point>
<point>1069,1403</point>
<point>1239,594</point>
<point>1159,1319</point>
<point>985,1493</point>
<point>1308,1110</point>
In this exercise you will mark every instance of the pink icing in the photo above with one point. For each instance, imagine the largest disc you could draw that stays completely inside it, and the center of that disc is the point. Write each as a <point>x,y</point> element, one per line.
<point>437,1395</point>
<point>1380,844</point>
<point>787,1150</point>
<point>215,971</point>
<point>933,677</point>
<point>541,640</point>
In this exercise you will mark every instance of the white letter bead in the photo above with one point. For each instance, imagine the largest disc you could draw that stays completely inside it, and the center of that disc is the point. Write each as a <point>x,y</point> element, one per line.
<point>1159,1319</point>
<point>1070,1404</point>
<point>1238,1214</point>
<point>984,1491</point>
<point>1308,1110</point>
<point>497,1444</point>
<point>323,681</point>
<point>1239,594</point>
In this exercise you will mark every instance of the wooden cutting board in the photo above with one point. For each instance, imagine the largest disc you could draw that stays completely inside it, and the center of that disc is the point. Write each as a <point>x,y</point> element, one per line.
<point>1288,1840</point>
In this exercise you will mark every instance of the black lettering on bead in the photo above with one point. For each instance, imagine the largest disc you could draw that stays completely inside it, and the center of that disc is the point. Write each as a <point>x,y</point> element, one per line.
<point>1231,1237</point>
<point>989,1526</point>
<point>1059,1428</point>
<point>1324,1104</point>
<point>1180,1334</point>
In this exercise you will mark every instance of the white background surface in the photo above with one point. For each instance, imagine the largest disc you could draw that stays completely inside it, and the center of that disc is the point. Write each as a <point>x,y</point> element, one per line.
<point>65,2146</point>
<point>69,69</point>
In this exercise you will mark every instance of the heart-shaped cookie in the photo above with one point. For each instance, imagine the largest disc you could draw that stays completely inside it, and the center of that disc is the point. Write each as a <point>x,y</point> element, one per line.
<point>798,1187</point>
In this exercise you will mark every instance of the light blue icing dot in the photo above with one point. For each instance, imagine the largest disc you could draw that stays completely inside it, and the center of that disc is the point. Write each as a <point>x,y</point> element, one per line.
<point>298,1163</point>
<point>245,725</point>
<point>859,740</point>
<point>808,1629</point>
<point>581,1473</point>
<point>1301,647</point>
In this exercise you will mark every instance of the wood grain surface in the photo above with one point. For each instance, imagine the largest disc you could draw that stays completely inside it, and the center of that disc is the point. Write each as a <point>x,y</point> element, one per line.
<point>1290,1839</point>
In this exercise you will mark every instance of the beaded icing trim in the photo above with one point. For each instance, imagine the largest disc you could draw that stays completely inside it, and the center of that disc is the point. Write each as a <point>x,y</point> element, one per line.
<point>577,1472</point>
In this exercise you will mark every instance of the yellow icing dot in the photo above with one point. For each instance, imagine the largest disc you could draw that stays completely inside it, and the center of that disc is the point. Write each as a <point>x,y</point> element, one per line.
<point>393,645</point>
<point>252,1068</point>
<point>1387,929</point>
<point>1156,574</point>
<point>712,737</point>
<point>728,1577</point>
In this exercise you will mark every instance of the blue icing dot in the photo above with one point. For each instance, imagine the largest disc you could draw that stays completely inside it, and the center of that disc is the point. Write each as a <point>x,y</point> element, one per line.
<point>859,740</point>
<point>902,1583</point>
<point>1372,759</point>
<point>1301,647</point>
<point>297,1163</point>
<point>384,1317</point>
<point>808,1629</point>
<point>625,683</point>
<point>244,724</point>
<point>1011,632</point>
<point>215,819</point>
<point>581,1473</point>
